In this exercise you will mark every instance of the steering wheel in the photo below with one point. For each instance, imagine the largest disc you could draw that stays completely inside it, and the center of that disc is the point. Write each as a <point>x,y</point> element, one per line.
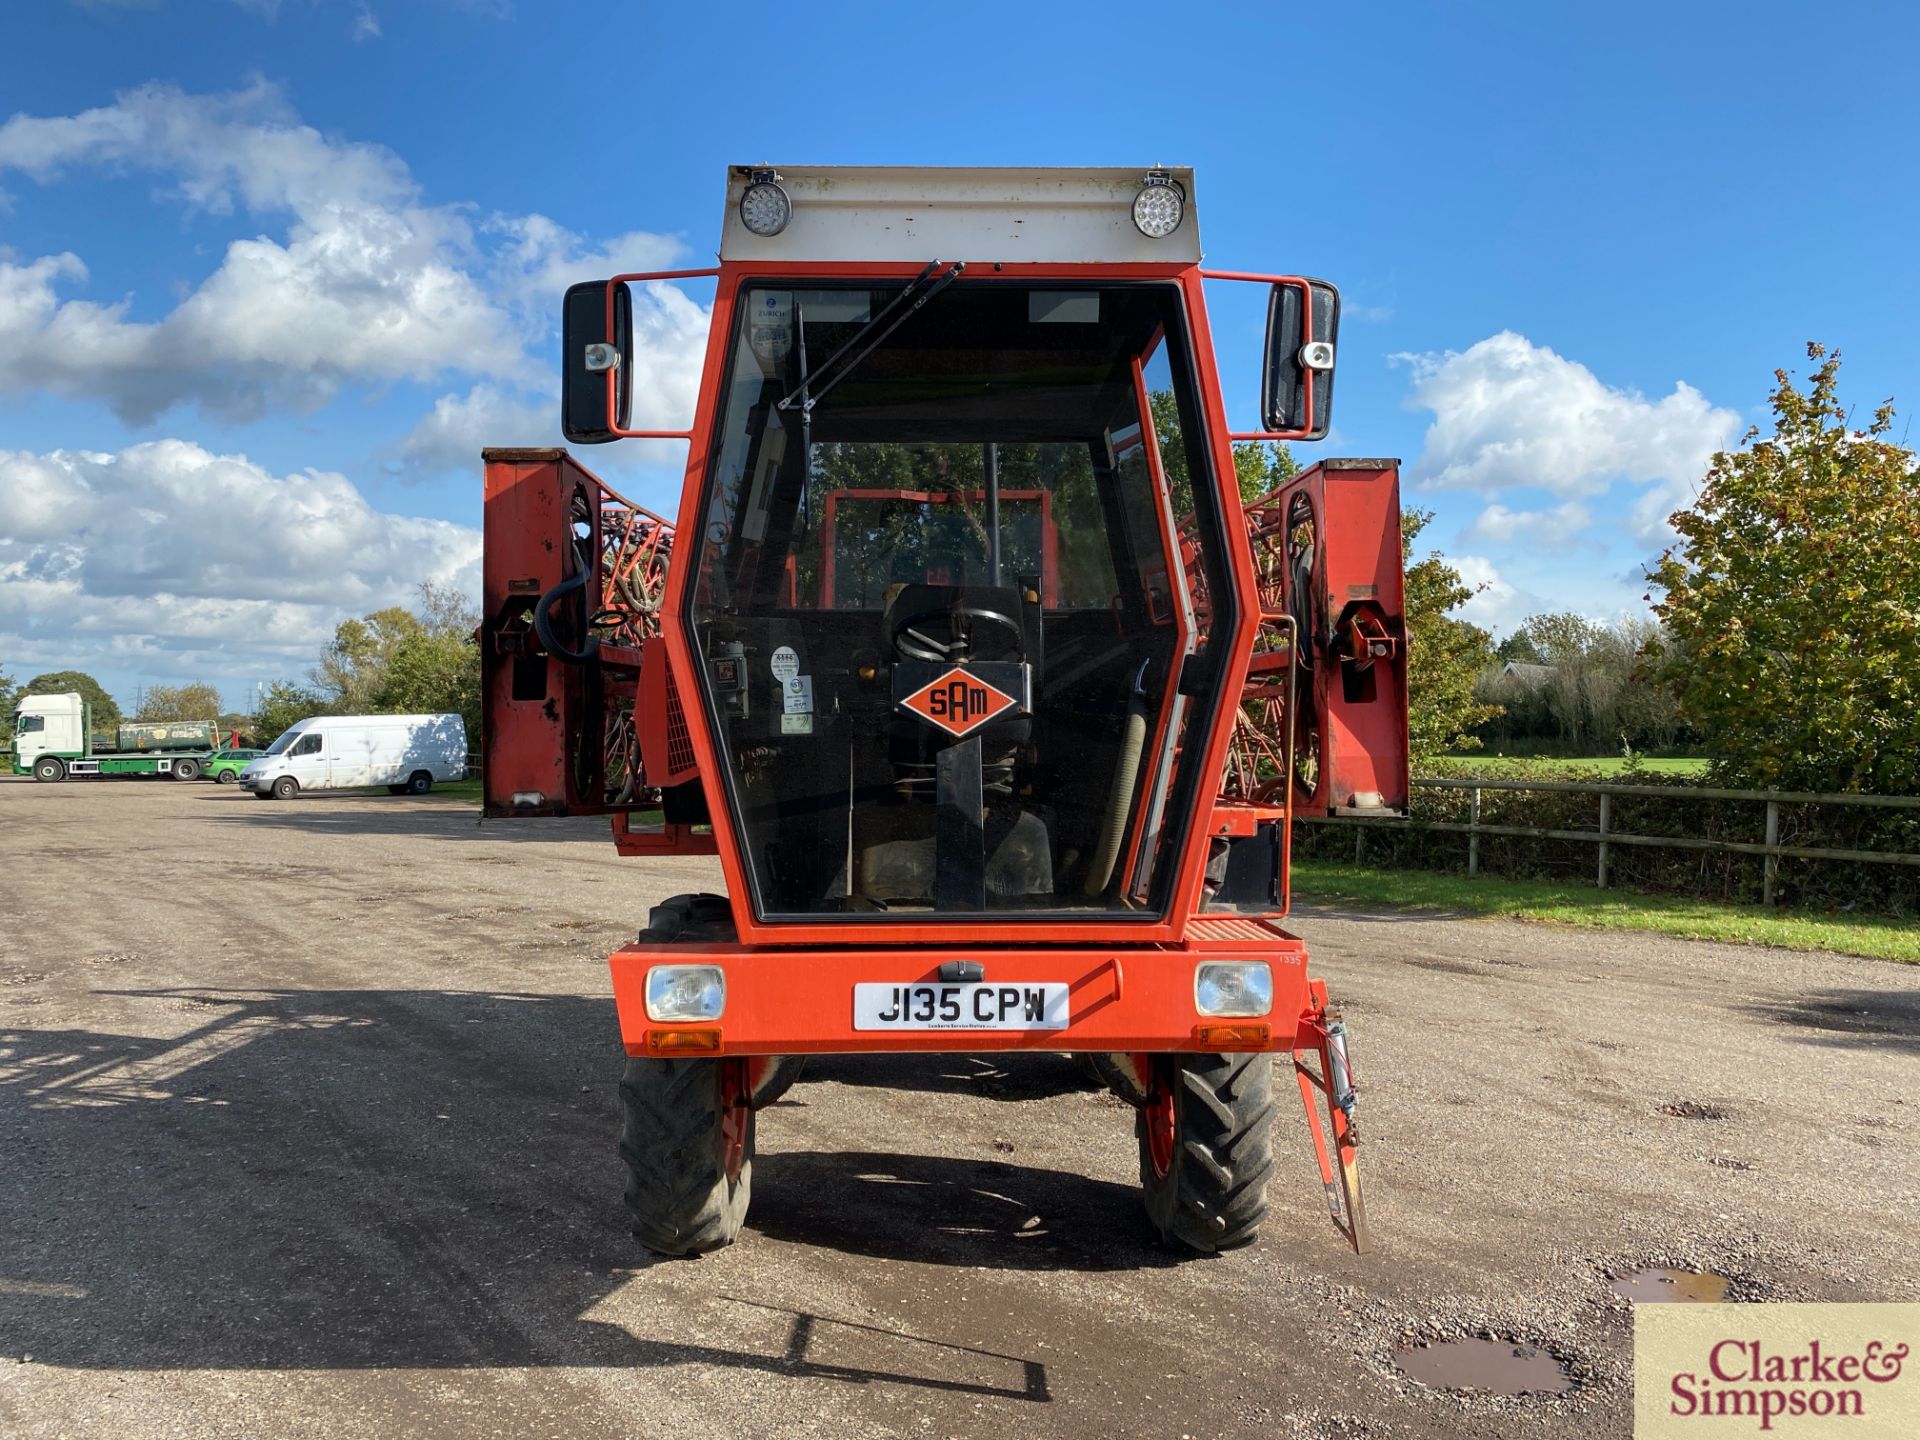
<point>946,633</point>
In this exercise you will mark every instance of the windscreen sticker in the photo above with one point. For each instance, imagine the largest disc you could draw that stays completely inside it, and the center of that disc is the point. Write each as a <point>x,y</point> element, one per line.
<point>796,724</point>
<point>770,330</point>
<point>785,663</point>
<point>798,695</point>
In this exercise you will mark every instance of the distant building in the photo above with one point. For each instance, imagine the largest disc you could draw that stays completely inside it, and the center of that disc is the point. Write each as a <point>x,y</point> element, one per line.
<point>1534,677</point>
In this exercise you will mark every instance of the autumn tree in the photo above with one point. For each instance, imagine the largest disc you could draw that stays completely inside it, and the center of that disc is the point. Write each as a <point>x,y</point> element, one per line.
<point>196,700</point>
<point>353,666</point>
<point>1445,654</point>
<point>1793,598</point>
<point>435,667</point>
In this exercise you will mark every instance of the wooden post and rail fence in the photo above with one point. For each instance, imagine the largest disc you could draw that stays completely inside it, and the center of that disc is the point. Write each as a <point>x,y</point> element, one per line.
<point>1604,836</point>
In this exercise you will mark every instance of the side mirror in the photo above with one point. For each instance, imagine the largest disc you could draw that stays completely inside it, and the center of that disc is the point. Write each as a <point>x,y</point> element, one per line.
<point>587,353</point>
<point>1296,391</point>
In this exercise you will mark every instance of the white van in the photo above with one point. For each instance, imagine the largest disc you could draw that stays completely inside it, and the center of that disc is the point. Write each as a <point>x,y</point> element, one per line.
<point>405,753</point>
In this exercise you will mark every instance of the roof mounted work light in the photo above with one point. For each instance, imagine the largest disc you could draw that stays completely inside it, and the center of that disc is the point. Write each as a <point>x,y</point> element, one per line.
<point>1160,205</point>
<point>765,208</point>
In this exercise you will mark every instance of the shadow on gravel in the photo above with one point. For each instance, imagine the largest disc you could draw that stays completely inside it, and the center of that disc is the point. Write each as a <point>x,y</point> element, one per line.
<point>1886,1019</point>
<point>358,813</point>
<point>372,1179</point>
<point>1039,1076</point>
<point>942,1211</point>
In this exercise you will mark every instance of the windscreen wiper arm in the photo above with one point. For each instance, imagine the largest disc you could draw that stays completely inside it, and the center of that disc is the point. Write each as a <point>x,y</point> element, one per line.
<point>806,397</point>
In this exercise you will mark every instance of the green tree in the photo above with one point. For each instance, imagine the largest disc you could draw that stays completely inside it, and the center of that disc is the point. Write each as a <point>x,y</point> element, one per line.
<point>7,695</point>
<point>1445,655</point>
<point>436,668</point>
<point>1793,598</point>
<point>282,703</point>
<point>195,700</point>
<point>1583,687</point>
<point>106,714</point>
<point>1262,467</point>
<point>1258,466</point>
<point>400,661</point>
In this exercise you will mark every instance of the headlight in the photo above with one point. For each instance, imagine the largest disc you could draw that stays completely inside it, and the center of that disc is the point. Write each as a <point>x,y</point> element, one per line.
<point>1160,205</point>
<point>677,993</point>
<point>1236,987</point>
<point>764,207</point>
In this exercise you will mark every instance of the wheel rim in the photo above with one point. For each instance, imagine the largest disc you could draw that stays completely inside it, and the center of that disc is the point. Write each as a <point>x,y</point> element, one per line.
<point>735,1114</point>
<point>1158,1113</point>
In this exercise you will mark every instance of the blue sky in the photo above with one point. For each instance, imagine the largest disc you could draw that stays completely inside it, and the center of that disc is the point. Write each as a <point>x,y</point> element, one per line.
<point>271,271</point>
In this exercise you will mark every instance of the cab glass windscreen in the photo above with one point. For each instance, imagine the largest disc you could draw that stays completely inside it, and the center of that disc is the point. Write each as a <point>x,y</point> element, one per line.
<point>945,598</point>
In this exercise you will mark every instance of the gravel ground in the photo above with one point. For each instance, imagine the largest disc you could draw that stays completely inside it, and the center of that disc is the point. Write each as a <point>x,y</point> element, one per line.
<point>307,1117</point>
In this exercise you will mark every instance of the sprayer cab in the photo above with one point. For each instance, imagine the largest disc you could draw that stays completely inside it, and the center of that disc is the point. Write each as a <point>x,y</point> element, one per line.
<point>964,655</point>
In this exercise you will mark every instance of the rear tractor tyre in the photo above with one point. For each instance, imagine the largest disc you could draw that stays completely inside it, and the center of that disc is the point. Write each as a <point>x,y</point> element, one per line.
<point>687,1138</point>
<point>1206,1149</point>
<point>186,769</point>
<point>285,788</point>
<point>419,783</point>
<point>48,768</point>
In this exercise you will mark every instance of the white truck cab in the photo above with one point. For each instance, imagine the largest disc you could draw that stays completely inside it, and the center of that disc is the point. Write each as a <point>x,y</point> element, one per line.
<point>50,725</point>
<point>406,753</point>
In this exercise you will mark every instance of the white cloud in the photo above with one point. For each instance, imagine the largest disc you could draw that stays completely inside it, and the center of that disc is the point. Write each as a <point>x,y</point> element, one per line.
<point>452,434</point>
<point>1547,528</point>
<point>1509,413</point>
<point>368,283</point>
<point>166,553</point>
<point>1496,605</point>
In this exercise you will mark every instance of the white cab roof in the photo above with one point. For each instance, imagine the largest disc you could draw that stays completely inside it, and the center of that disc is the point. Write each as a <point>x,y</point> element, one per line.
<point>885,213</point>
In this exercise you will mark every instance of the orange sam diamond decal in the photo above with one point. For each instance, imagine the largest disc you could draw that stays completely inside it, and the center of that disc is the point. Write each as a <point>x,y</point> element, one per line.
<point>957,702</point>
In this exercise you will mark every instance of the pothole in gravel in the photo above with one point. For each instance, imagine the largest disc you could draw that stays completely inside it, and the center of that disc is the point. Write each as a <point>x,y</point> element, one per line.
<point>1695,1110</point>
<point>1485,1367</point>
<point>1680,1287</point>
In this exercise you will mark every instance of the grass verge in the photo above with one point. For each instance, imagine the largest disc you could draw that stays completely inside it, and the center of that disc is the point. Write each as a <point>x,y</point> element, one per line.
<point>1566,767</point>
<point>1576,904</point>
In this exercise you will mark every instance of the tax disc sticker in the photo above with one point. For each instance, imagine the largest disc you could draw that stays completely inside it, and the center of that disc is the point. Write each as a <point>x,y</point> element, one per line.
<point>785,663</point>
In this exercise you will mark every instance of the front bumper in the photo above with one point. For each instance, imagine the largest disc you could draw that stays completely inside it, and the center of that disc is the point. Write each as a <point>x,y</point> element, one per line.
<point>791,1001</point>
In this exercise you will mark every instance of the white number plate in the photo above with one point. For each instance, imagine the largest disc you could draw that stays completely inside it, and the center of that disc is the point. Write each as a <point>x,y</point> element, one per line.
<point>972,1006</point>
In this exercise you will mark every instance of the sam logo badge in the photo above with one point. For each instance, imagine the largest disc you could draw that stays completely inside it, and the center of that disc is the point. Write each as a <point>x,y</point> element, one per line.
<point>958,703</point>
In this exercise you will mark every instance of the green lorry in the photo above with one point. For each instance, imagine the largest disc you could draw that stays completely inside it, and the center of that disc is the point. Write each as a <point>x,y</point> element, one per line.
<point>53,739</point>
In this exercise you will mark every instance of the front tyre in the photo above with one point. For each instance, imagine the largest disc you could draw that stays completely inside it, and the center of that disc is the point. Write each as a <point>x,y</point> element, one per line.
<point>49,768</point>
<point>687,1139</point>
<point>227,777</point>
<point>1206,1149</point>
<point>285,788</point>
